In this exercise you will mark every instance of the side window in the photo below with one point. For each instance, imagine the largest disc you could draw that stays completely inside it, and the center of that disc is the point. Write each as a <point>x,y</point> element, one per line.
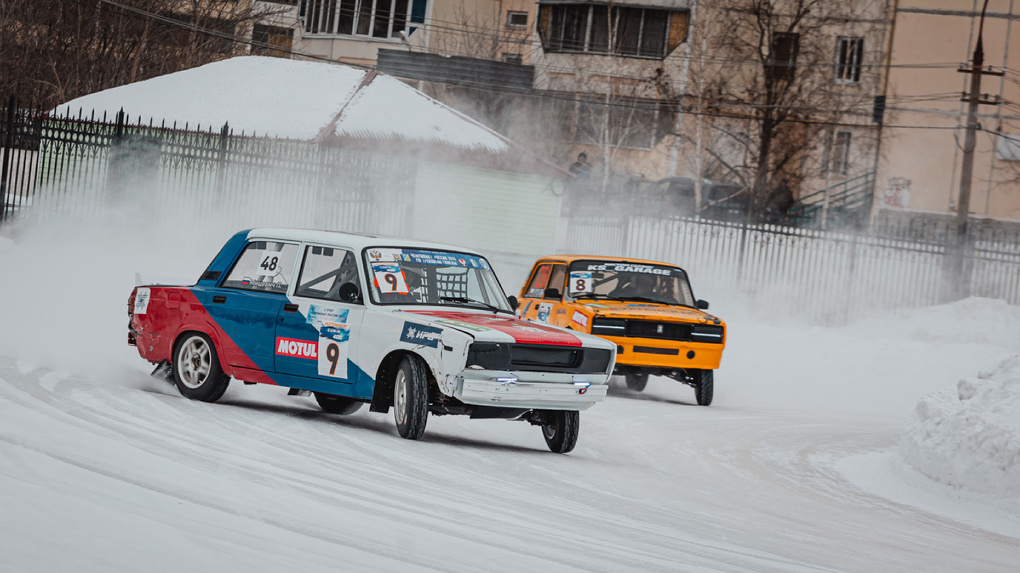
<point>264,266</point>
<point>556,280</point>
<point>324,271</point>
<point>537,286</point>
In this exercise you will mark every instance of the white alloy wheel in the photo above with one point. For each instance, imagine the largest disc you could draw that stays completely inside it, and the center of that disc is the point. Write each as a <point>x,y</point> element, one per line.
<point>194,361</point>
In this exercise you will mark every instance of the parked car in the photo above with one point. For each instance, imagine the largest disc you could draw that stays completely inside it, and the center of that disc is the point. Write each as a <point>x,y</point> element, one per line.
<point>646,308</point>
<point>420,327</point>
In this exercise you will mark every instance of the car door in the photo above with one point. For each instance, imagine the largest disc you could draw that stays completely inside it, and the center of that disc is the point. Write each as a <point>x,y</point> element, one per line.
<point>247,302</point>
<point>552,298</point>
<point>533,292</point>
<point>317,335</point>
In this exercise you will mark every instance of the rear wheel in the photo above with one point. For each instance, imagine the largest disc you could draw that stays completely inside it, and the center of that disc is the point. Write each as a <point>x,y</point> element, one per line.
<point>637,381</point>
<point>704,387</point>
<point>196,369</point>
<point>337,404</point>
<point>411,398</point>
<point>561,429</point>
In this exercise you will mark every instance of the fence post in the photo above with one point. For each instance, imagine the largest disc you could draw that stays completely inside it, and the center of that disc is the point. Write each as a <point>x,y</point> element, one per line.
<point>221,160</point>
<point>7,151</point>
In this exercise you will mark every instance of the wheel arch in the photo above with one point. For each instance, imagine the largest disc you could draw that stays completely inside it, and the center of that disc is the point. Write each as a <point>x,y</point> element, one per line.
<point>213,336</point>
<point>382,394</point>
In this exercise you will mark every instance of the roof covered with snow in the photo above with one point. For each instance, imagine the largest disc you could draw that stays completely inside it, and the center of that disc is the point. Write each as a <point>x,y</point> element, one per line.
<point>294,100</point>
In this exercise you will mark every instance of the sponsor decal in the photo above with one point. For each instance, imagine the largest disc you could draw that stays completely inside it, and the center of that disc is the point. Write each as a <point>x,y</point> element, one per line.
<point>333,331</point>
<point>580,319</point>
<point>318,313</point>
<point>543,312</point>
<point>420,334</point>
<point>375,254</point>
<point>389,278</point>
<point>297,348</point>
<point>629,268</point>
<point>141,300</point>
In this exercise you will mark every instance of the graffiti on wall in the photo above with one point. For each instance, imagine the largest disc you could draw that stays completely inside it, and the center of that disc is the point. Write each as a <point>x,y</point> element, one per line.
<point>897,193</point>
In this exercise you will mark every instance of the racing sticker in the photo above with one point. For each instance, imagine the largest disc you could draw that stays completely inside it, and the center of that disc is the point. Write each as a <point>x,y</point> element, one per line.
<point>629,268</point>
<point>463,325</point>
<point>389,278</point>
<point>580,319</point>
<point>543,312</point>
<point>420,335</point>
<point>580,281</point>
<point>333,350</point>
<point>270,263</point>
<point>297,348</point>
<point>318,313</point>
<point>141,301</point>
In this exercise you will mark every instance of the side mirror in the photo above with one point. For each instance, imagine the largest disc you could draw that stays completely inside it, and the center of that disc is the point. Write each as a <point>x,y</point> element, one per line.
<point>349,293</point>
<point>702,304</point>
<point>513,302</point>
<point>552,293</point>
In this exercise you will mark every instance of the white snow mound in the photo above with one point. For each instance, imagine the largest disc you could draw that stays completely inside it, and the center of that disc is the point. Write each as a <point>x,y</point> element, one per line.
<point>970,438</point>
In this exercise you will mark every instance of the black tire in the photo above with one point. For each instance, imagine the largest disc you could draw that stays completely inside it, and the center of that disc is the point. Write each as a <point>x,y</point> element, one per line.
<point>704,387</point>
<point>561,433</point>
<point>196,368</point>
<point>637,381</point>
<point>337,404</point>
<point>411,398</point>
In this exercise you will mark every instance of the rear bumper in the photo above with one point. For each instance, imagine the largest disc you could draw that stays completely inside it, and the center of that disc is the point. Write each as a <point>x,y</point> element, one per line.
<point>508,390</point>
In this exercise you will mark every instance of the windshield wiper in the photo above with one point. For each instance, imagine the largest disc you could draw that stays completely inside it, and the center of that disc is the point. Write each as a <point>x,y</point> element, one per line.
<point>466,300</point>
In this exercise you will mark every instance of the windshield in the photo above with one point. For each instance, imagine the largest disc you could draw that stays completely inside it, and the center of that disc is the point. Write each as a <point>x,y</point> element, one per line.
<point>622,280</point>
<point>417,276</point>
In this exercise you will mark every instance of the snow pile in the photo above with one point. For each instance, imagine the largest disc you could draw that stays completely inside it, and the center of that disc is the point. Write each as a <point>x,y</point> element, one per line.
<point>972,320</point>
<point>970,438</point>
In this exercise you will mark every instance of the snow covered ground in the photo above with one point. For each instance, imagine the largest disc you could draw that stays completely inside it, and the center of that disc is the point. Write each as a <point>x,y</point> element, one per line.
<point>805,462</point>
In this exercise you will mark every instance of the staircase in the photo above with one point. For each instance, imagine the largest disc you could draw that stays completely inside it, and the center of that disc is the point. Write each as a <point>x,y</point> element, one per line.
<point>849,201</point>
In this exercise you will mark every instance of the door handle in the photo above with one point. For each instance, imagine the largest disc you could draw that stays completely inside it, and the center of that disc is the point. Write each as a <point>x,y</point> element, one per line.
<point>219,299</point>
<point>290,307</point>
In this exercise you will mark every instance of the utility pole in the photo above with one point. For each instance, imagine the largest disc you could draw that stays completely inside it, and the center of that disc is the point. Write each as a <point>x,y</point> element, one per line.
<point>959,278</point>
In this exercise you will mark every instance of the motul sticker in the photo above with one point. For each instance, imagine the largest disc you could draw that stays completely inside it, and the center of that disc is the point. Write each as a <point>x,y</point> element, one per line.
<point>297,348</point>
<point>580,319</point>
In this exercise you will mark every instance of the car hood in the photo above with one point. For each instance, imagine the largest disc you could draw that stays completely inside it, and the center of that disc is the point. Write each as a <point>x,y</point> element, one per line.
<point>641,310</point>
<point>490,327</point>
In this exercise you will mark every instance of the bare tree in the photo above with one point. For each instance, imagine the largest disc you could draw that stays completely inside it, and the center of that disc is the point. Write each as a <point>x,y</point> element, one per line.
<point>768,87</point>
<point>52,51</point>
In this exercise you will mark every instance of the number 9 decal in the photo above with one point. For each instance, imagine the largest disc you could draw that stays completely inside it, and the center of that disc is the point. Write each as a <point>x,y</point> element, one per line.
<point>333,355</point>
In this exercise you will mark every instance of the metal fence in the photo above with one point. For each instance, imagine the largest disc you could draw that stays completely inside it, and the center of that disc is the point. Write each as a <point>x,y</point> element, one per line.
<point>84,166</point>
<point>830,277</point>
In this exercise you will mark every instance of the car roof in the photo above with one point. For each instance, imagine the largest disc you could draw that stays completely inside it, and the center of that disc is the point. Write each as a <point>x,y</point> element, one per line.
<point>571,258</point>
<point>351,240</point>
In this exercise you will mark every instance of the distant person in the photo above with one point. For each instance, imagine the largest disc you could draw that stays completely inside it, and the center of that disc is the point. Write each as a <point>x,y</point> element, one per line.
<point>581,168</point>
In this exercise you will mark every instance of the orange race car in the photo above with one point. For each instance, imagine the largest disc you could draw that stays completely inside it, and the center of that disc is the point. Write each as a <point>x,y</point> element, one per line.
<point>645,307</point>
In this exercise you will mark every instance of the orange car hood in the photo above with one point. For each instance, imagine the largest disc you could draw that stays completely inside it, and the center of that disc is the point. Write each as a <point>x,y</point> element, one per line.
<point>646,311</point>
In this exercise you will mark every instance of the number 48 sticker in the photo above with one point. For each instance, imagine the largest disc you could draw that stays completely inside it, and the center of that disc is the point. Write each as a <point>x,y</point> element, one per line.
<point>270,263</point>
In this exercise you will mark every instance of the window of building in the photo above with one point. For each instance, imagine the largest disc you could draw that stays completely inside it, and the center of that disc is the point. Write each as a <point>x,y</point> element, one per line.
<point>626,31</point>
<point>783,59</point>
<point>516,19</point>
<point>271,41</point>
<point>839,158</point>
<point>372,18</point>
<point>513,58</point>
<point>849,55</point>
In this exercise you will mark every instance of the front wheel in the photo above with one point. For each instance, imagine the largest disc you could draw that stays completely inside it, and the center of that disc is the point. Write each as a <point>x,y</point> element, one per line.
<point>560,431</point>
<point>337,404</point>
<point>637,381</point>
<point>196,369</point>
<point>704,387</point>
<point>411,398</point>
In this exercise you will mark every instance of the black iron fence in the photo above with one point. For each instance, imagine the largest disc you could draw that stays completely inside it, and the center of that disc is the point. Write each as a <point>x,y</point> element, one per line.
<point>73,165</point>
<point>84,167</point>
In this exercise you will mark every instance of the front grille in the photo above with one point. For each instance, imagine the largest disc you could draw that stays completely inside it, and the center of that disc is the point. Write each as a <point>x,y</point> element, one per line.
<point>538,358</point>
<point>679,331</point>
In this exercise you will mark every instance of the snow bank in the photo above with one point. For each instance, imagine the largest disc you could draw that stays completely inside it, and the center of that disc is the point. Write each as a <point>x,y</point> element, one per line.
<point>970,437</point>
<point>973,320</point>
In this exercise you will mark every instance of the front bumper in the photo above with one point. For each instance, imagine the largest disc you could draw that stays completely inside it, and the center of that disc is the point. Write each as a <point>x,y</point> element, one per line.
<point>522,390</point>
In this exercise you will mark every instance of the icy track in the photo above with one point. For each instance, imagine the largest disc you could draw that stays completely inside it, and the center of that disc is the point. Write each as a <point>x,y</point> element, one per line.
<point>795,467</point>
